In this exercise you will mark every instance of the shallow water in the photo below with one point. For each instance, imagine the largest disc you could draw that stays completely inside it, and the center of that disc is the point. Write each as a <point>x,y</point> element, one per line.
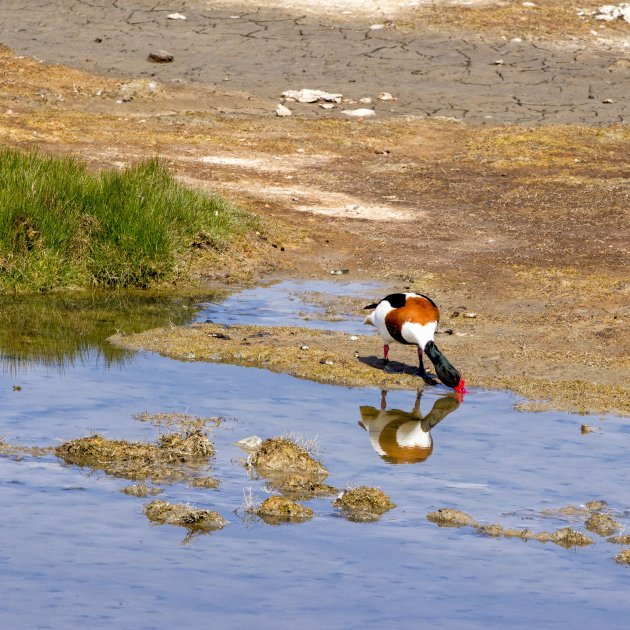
<point>76,552</point>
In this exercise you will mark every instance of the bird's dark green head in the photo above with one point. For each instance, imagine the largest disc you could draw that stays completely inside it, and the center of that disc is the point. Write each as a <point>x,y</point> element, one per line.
<point>443,368</point>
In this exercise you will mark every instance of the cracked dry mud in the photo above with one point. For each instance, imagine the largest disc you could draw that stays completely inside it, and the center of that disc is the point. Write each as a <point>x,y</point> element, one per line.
<point>260,51</point>
<point>520,214</point>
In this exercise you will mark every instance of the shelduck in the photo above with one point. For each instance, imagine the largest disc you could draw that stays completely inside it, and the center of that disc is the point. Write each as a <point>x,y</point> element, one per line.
<point>412,318</point>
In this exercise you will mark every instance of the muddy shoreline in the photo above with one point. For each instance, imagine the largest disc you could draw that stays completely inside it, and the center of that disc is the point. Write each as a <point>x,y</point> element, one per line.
<point>524,224</point>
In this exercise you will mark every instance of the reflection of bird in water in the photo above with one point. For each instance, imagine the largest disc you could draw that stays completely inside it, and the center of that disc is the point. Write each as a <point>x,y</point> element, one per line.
<point>412,318</point>
<point>402,437</point>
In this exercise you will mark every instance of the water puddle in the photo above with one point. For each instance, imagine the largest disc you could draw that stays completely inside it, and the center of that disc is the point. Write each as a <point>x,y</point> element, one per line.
<point>75,551</point>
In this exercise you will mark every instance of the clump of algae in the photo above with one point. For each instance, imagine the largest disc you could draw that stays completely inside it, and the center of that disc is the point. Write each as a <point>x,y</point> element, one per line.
<point>363,504</point>
<point>623,557</point>
<point>139,461</point>
<point>565,537</point>
<point>276,509</point>
<point>195,519</point>
<point>176,420</point>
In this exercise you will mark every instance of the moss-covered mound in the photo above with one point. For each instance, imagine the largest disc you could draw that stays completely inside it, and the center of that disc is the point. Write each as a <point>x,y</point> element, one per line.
<point>448,517</point>
<point>166,461</point>
<point>300,487</point>
<point>363,504</point>
<point>275,510</point>
<point>283,456</point>
<point>194,519</point>
<point>602,524</point>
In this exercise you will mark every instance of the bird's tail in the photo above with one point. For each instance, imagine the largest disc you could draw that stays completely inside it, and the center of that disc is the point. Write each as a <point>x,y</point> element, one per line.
<point>370,318</point>
<point>443,368</point>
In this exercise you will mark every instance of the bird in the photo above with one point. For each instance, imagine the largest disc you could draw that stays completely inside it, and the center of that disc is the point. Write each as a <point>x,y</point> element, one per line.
<point>412,319</point>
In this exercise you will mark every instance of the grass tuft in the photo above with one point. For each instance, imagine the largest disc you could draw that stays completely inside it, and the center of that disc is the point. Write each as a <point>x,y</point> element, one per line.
<point>62,226</point>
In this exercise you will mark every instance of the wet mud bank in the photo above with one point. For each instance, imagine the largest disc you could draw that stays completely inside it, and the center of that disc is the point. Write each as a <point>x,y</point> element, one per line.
<point>337,358</point>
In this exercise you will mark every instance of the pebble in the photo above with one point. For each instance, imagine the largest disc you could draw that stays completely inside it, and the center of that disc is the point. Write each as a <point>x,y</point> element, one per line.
<point>354,338</point>
<point>366,100</point>
<point>175,16</point>
<point>470,315</point>
<point>327,362</point>
<point>339,272</point>
<point>283,110</point>
<point>386,96</point>
<point>251,443</point>
<point>160,56</point>
<point>304,347</point>
<point>362,112</point>
<point>327,105</point>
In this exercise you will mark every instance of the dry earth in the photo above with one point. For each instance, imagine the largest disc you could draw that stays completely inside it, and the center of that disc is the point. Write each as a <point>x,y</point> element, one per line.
<point>498,179</point>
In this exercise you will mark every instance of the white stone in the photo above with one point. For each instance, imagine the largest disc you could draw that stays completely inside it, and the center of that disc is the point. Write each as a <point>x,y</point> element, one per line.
<point>251,443</point>
<point>386,96</point>
<point>366,100</point>
<point>311,96</point>
<point>283,110</point>
<point>175,16</point>
<point>362,112</point>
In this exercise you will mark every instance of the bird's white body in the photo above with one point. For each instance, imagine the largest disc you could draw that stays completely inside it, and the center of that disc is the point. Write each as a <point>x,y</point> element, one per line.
<point>412,332</point>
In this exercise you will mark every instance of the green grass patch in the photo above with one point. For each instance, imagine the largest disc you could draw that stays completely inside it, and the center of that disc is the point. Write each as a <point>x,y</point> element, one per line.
<point>61,225</point>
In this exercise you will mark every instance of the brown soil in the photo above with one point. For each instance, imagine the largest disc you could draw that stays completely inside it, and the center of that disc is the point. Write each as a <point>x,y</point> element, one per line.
<point>520,212</point>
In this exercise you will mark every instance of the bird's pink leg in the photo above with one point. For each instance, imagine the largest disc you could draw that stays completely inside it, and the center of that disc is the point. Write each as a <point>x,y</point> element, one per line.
<point>386,353</point>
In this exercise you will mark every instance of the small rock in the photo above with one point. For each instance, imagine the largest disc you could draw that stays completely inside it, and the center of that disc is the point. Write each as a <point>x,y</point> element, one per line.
<point>326,362</point>
<point>339,272</point>
<point>362,112</point>
<point>585,428</point>
<point>608,101</point>
<point>311,96</point>
<point>377,27</point>
<point>175,16</point>
<point>250,444</point>
<point>283,110</point>
<point>304,347</point>
<point>218,335</point>
<point>470,315</point>
<point>354,338</point>
<point>366,100</point>
<point>327,105</point>
<point>386,96</point>
<point>160,56</point>
<point>529,4</point>
<point>623,557</point>
<point>499,62</point>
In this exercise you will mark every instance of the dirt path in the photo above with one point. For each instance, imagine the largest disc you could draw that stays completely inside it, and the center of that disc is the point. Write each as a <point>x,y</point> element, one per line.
<point>527,226</point>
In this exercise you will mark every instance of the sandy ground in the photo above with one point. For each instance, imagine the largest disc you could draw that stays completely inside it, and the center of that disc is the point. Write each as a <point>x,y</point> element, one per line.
<point>498,179</point>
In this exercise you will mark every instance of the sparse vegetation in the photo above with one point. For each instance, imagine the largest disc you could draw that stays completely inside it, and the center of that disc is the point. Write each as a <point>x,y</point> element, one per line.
<point>63,226</point>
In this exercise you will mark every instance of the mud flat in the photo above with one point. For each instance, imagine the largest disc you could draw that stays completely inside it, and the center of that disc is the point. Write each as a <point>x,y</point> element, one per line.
<point>354,361</point>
